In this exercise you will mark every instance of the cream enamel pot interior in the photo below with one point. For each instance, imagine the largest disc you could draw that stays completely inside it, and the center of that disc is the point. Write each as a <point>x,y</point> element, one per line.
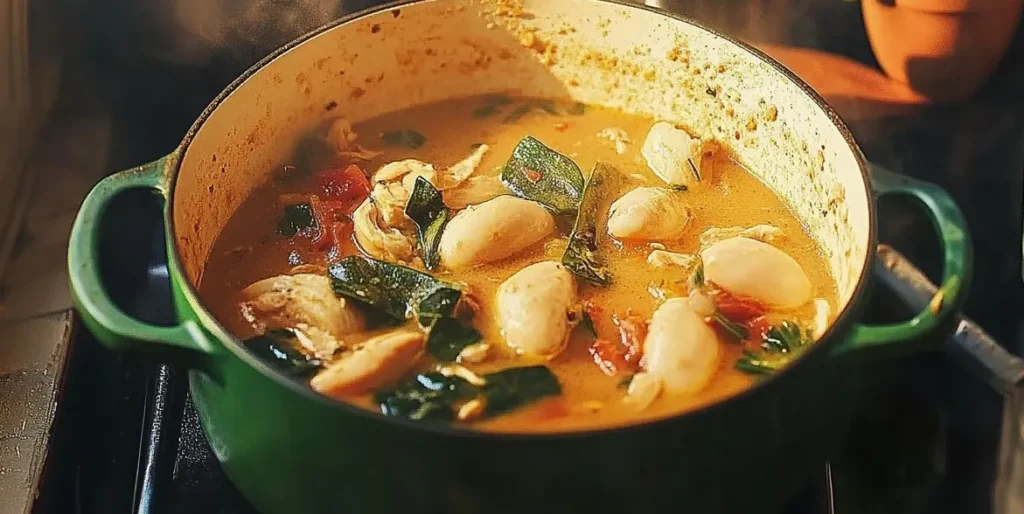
<point>292,451</point>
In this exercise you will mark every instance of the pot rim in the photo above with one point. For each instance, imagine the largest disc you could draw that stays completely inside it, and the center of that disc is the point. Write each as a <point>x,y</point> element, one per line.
<point>209,322</point>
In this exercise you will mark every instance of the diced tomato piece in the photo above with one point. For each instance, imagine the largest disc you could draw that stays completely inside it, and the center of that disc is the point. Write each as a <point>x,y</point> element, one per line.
<point>341,231</point>
<point>738,308</point>
<point>758,327</point>
<point>632,331</point>
<point>610,357</point>
<point>344,184</point>
<point>533,175</point>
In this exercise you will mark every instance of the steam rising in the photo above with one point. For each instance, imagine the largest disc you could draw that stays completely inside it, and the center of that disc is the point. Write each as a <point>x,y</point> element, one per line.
<point>202,28</point>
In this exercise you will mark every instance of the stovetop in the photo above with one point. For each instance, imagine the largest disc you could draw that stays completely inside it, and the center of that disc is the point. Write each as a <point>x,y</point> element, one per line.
<point>126,438</point>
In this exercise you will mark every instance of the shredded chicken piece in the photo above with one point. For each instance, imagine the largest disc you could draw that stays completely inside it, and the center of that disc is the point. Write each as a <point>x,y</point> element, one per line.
<point>471,409</point>
<point>390,199</point>
<point>462,170</point>
<point>666,259</point>
<point>377,238</point>
<point>643,389</point>
<point>455,370</point>
<point>305,303</point>
<point>474,191</point>
<point>617,136</point>
<point>474,353</point>
<point>342,139</point>
<point>762,233</point>
<point>822,312</point>
<point>399,169</point>
<point>409,170</point>
<point>315,269</point>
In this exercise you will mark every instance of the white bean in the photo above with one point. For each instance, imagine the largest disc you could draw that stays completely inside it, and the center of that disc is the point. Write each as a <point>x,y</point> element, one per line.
<point>494,230</point>
<point>680,348</point>
<point>534,309</point>
<point>746,267</point>
<point>648,213</point>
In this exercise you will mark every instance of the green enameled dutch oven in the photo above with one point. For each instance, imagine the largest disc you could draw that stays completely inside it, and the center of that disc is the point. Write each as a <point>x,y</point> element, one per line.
<point>291,451</point>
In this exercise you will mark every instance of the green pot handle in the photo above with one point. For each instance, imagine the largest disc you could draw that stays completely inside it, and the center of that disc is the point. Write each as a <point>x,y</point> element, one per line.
<point>957,260</point>
<point>101,315</point>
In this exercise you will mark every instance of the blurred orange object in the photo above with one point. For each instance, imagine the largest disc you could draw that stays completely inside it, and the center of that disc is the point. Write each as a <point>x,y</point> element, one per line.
<point>945,49</point>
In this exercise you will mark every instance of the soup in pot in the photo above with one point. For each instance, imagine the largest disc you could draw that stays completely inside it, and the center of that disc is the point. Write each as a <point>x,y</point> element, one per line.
<point>518,264</point>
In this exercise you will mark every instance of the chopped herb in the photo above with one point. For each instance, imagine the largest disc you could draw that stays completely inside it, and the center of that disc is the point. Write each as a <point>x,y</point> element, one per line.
<point>514,387</point>
<point>779,346</point>
<point>278,348</point>
<point>580,255</point>
<point>679,187</point>
<point>426,208</point>
<point>737,331</point>
<point>693,169</point>
<point>711,91</point>
<point>407,138</point>
<point>577,109</point>
<point>448,337</point>
<point>396,291</point>
<point>296,218</point>
<point>560,184</point>
<point>784,337</point>
<point>433,396</point>
<point>486,110</point>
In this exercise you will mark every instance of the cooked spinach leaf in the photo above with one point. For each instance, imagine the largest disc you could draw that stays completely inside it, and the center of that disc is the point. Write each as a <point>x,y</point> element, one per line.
<point>514,387</point>
<point>427,209</point>
<point>428,396</point>
<point>433,396</point>
<point>536,172</point>
<point>448,337</point>
<point>295,218</point>
<point>781,344</point>
<point>437,305</point>
<point>577,109</point>
<point>407,138</point>
<point>278,348</point>
<point>396,291</point>
<point>580,255</point>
